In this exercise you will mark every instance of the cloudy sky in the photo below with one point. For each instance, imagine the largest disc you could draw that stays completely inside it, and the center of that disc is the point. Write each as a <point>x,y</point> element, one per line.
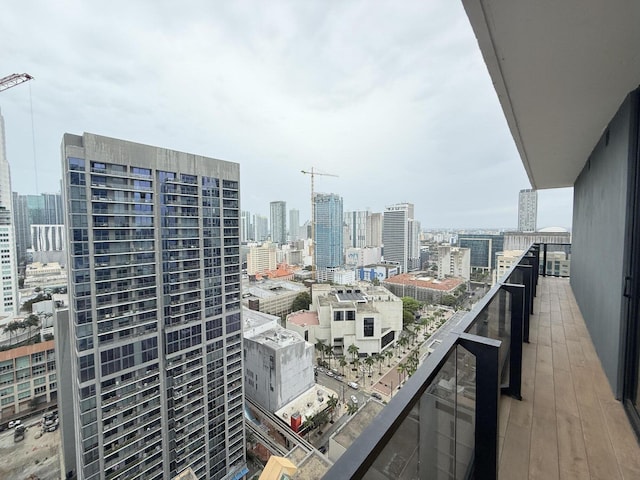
<point>393,97</point>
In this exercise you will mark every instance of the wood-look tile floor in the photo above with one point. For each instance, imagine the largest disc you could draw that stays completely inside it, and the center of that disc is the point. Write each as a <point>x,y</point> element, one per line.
<point>568,424</point>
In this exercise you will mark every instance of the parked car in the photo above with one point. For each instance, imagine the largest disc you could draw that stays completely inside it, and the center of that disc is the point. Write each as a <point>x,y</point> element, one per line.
<point>354,399</point>
<point>353,385</point>
<point>14,423</point>
<point>323,449</point>
<point>376,395</point>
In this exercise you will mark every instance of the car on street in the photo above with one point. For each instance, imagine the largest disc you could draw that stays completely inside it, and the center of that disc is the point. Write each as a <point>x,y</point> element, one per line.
<point>14,423</point>
<point>353,385</point>
<point>328,373</point>
<point>354,399</point>
<point>376,395</point>
<point>323,449</point>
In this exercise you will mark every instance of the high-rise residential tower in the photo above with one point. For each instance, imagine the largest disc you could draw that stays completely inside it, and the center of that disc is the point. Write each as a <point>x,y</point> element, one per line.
<point>356,227</point>
<point>43,209</point>
<point>9,282</point>
<point>328,242</point>
<point>294,225</point>
<point>527,210</point>
<point>401,236</point>
<point>279,222</point>
<point>155,320</point>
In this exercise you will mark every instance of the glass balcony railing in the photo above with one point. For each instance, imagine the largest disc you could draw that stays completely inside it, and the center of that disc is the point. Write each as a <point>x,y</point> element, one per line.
<point>443,423</point>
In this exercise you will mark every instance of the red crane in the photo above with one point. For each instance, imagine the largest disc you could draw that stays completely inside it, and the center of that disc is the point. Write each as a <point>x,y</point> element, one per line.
<point>13,80</point>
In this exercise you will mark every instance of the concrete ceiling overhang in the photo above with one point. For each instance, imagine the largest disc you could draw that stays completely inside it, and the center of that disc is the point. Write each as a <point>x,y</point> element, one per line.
<point>561,69</point>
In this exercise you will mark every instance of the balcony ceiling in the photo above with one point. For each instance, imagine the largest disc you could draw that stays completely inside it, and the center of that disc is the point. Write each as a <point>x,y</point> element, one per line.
<point>561,70</point>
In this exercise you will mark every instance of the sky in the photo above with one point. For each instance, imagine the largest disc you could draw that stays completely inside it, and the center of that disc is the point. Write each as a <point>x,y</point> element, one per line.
<point>392,97</point>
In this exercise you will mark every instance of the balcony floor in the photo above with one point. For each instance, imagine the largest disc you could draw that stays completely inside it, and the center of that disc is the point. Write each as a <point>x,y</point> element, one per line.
<point>568,424</point>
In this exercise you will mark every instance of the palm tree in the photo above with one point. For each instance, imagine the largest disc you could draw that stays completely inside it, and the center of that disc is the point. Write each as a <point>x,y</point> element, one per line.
<point>352,408</point>
<point>329,351</point>
<point>424,323</point>
<point>369,361</point>
<point>356,364</point>
<point>404,341</point>
<point>332,403</point>
<point>343,363</point>
<point>31,321</point>
<point>320,348</point>
<point>389,355</point>
<point>353,350</point>
<point>402,370</point>
<point>378,358</point>
<point>307,426</point>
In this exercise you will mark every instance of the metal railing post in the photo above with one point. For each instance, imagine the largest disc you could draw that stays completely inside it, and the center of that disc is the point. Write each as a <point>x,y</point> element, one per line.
<point>518,311</point>
<point>527,273</point>
<point>487,353</point>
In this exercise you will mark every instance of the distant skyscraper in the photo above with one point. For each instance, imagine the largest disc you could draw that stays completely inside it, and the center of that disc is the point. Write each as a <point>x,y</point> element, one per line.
<point>44,209</point>
<point>279,222</point>
<point>9,282</point>
<point>261,226</point>
<point>294,225</point>
<point>247,232</point>
<point>374,230</point>
<point>328,230</point>
<point>155,316</point>
<point>356,227</point>
<point>527,210</point>
<point>401,236</point>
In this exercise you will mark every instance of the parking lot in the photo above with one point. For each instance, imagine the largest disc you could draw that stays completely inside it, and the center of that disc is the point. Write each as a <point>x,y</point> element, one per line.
<point>38,457</point>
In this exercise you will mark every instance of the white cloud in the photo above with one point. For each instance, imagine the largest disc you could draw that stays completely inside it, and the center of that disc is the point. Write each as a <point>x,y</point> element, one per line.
<point>393,97</point>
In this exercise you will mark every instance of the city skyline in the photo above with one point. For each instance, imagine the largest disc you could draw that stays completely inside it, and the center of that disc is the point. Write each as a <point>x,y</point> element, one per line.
<point>276,90</point>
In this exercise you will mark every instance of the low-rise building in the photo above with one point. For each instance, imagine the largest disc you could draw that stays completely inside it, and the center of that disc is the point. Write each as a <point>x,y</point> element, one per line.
<point>274,297</point>
<point>369,317</point>
<point>422,286</point>
<point>454,262</point>
<point>278,363</point>
<point>28,378</point>
<point>380,271</point>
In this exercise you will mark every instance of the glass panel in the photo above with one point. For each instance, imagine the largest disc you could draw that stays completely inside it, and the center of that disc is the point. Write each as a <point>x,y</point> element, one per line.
<point>465,412</point>
<point>494,321</point>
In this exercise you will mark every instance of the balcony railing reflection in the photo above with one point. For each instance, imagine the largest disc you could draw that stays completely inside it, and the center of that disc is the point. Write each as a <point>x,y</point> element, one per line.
<point>443,424</point>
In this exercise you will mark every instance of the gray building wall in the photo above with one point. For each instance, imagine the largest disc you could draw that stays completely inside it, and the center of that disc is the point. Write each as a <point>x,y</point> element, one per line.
<point>274,377</point>
<point>599,230</point>
<point>65,395</point>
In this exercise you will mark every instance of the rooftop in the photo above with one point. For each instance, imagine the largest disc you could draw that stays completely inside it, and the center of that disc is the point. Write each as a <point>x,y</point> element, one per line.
<point>304,318</point>
<point>357,423</point>
<point>308,404</point>
<point>425,280</point>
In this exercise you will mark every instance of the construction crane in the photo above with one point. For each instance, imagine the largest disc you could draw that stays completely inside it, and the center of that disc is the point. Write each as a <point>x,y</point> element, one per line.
<point>13,80</point>
<point>313,174</point>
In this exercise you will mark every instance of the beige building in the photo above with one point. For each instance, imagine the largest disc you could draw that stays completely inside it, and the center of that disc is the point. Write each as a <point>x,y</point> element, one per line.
<point>369,317</point>
<point>262,258</point>
<point>454,262</point>
<point>271,296</point>
<point>27,378</point>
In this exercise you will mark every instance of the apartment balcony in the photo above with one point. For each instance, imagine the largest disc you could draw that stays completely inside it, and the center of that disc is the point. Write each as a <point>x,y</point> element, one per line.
<point>540,406</point>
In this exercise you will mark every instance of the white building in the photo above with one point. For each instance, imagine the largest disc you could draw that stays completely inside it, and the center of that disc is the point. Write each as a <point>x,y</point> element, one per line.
<point>401,236</point>
<point>369,317</point>
<point>278,363</point>
<point>358,257</point>
<point>9,279</point>
<point>504,261</point>
<point>527,210</point>
<point>47,238</point>
<point>380,271</point>
<point>454,262</point>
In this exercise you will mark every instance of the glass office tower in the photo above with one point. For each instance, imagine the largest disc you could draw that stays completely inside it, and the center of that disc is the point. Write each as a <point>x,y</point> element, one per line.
<point>155,320</point>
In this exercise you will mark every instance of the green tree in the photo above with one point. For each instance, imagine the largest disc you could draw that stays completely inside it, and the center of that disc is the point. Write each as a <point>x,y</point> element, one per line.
<point>353,351</point>
<point>301,302</point>
<point>343,363</point>
<point>332,403</point>
<point>369,361</point>
<point>379,358</point>
<point>307,426</point>
<point>449,300</point>
<point>320,348</point>
<point>352,408</point>
<point>389,354</point>
<point>356,365</point>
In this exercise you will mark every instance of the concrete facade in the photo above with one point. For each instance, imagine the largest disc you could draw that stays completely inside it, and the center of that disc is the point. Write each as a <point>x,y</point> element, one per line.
<point>454,262</point>
<point>278,362</point>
